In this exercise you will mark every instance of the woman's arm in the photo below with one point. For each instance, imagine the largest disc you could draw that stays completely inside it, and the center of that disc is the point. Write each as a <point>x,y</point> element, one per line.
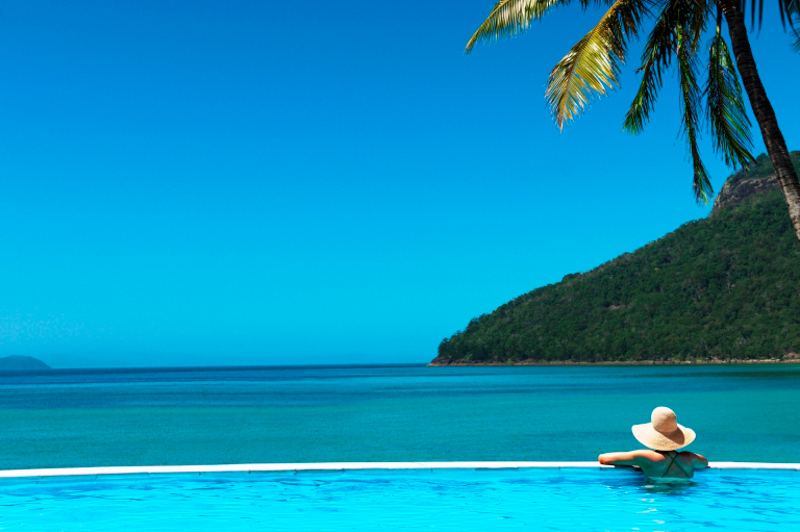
<point>699,461</point>
<point>632,458</point>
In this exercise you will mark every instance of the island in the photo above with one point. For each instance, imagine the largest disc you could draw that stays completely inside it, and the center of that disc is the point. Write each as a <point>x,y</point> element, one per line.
<point>17,363</point>
<point>717,290</point>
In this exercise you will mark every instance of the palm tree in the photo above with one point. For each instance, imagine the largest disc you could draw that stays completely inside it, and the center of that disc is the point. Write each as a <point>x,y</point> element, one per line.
<point>592,67</point>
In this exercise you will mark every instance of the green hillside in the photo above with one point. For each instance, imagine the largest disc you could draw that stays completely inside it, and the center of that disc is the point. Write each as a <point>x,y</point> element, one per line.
<point>725,287</point>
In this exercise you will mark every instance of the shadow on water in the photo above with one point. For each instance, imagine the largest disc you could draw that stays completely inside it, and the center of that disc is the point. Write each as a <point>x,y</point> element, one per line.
<point>670,488</point>
<point>636,481</point>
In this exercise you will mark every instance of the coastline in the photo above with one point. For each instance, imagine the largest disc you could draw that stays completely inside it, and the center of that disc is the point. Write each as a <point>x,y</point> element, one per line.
<point>711,362</point>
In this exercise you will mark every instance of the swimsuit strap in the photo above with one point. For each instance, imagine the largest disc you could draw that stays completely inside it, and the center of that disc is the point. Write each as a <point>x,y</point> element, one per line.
<point>674,456</point>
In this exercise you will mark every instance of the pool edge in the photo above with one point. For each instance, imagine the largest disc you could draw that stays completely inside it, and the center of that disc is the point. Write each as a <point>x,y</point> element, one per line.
<point>341,466</point>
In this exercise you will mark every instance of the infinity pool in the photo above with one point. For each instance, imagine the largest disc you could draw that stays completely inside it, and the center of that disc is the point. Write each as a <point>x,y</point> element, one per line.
<point>458,500</point>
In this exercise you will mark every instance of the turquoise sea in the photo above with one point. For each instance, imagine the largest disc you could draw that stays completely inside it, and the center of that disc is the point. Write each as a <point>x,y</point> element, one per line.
<point>65,418</point>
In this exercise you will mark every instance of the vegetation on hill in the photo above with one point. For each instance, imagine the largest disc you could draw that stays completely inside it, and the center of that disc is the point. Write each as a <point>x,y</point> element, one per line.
<point>724,287</point>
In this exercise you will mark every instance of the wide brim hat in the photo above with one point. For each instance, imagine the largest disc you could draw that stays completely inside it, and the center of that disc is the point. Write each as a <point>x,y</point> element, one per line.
<point>663,433</point>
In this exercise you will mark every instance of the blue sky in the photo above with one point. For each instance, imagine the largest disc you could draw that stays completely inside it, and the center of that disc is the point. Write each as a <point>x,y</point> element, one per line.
<point>317,182</point>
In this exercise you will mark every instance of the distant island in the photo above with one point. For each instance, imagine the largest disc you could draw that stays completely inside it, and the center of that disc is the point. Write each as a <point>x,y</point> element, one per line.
<point>721,289</point>
<point>21,363</point>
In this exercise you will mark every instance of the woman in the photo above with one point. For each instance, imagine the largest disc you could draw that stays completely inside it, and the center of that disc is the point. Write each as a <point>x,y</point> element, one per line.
<point>664,436</point>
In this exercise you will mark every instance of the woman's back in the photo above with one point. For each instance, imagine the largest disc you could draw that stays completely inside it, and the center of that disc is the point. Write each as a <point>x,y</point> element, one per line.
<point>671,465</point>
<point>658,465</point>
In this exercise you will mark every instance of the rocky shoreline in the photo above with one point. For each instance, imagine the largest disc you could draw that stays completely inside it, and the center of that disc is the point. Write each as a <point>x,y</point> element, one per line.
<point>791,358</point>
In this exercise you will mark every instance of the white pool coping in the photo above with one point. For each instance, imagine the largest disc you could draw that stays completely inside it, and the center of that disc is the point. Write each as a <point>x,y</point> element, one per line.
<point>339,466</point>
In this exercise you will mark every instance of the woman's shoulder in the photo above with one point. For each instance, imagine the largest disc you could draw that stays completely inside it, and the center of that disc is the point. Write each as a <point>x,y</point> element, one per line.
<point>697,460</point>
<point>655,456</point>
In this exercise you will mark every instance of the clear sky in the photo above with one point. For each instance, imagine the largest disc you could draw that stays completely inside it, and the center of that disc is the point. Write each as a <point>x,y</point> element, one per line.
<point>243,182</point>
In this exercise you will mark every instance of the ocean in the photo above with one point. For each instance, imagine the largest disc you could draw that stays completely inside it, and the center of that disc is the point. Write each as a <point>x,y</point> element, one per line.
<point>219,415</point>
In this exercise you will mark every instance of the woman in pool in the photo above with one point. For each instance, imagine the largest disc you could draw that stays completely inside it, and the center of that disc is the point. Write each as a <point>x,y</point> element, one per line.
<point>664,436</point>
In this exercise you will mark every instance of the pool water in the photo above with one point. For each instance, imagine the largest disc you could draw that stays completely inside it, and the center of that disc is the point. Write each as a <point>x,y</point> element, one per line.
<point>457,500</point>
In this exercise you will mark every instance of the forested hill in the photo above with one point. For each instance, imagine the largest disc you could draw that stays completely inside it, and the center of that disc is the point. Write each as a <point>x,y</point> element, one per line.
<point>725,287</point>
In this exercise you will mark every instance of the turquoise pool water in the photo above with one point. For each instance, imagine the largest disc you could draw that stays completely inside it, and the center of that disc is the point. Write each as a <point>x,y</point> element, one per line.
<point>451,500</point>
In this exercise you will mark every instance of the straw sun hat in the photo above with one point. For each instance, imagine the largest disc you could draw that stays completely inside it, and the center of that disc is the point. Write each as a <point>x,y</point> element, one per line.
<point>663,432</point>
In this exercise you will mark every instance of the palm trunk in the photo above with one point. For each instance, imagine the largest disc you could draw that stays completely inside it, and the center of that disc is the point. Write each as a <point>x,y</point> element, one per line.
<point>765,115</point>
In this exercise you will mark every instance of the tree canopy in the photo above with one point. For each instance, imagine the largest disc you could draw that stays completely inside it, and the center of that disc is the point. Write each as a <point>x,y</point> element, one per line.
<point>710,90</point>
<point>725,287</point>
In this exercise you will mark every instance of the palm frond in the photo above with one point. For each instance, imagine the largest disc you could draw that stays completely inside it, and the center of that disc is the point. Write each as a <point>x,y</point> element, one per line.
<point>760,6</point>
<point>786,8</point>
<point>795,23</point>
<point>730,127</point>
<point>656,57</point>
<point>792,15</point>
<point>694,16</point>
<point>592,66</point>
<point>511,17</point>
<point>690,102</point>
<point>790,9</point>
